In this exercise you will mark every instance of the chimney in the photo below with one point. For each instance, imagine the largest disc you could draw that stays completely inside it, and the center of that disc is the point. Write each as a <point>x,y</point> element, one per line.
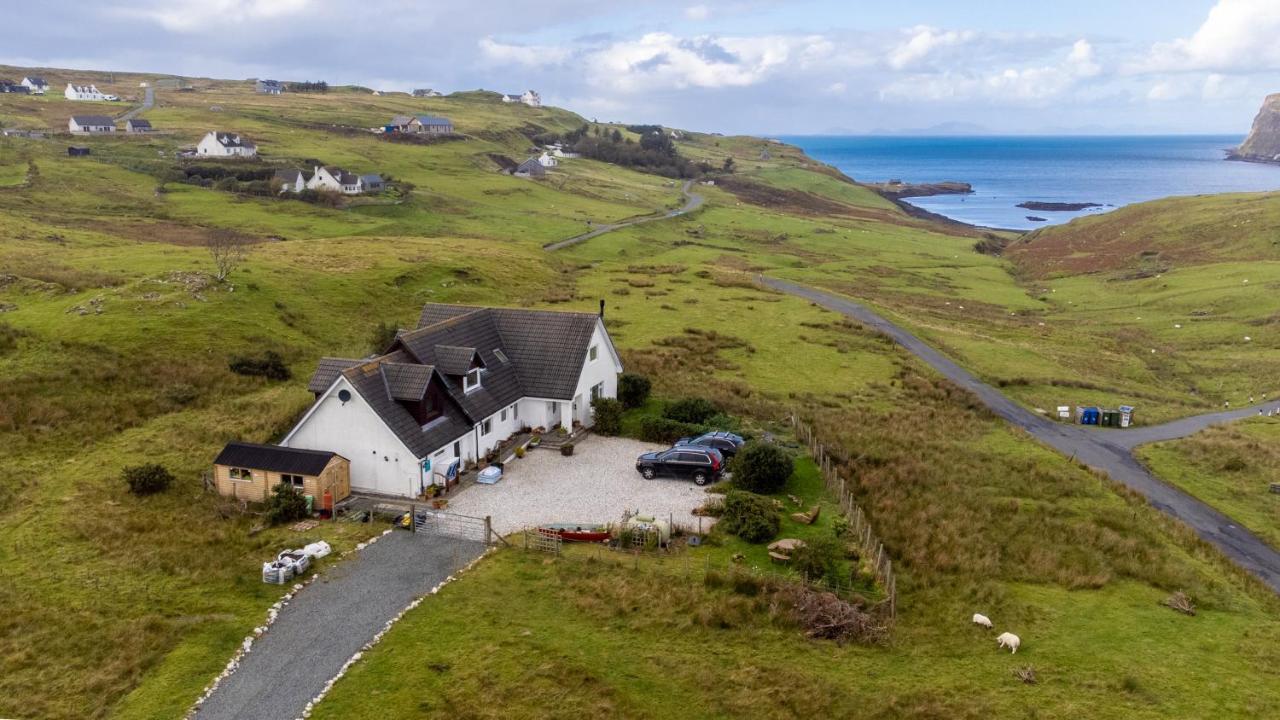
<point>601,308</point>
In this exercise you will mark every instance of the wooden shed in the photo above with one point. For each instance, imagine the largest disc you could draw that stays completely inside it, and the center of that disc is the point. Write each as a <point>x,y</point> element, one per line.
<point>249,471</point>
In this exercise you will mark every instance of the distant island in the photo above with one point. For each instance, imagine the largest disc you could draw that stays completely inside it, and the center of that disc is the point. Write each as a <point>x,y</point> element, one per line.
<point>1056,206</point>
<point>1263,143</point>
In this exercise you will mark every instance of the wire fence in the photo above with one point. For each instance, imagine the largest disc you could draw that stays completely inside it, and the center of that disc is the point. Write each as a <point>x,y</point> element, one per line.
<point>870,545</point>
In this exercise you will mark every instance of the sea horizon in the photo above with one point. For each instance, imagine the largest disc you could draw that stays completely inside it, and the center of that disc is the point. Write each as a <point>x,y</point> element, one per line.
<point>1005,170</point>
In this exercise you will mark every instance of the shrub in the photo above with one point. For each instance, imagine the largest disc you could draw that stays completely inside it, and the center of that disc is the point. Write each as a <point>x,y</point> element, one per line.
<point>633,389</point>
<point>384,333</point>
<point>664,430</point>
<point>693,410</point>
<point>270,365</point>
<point>818,558</point>
<point>227,184</point>
<point>285,504</point>
<point>752,517</point>
<point>762,467</point>
<point>147,479</point>
<point>608,416</point>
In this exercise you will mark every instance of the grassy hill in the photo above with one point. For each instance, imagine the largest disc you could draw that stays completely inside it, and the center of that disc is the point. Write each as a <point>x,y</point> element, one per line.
<point>115,342</point>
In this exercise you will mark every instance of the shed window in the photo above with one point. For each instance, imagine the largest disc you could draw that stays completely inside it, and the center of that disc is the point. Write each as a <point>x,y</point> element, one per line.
<point>241,474</point>
<point>294,481</point>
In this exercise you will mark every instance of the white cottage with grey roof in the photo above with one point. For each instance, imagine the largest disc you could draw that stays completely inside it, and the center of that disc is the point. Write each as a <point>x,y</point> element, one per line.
<point>459,384</point>
<point>218,143</point>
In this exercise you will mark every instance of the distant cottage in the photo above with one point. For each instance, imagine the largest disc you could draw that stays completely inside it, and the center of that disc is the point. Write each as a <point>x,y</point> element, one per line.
<point>137,125</point>
<point>226,144</point>
<point>269,87</point>
<point>530,168</point>
<point>89,124</point>
<point>326,178</point>
<point>420,125</point>
<point>529,97</point>
<point>427,93</point>
<point>15,88</point>
<point>86,92</point>
<point>34,84</point>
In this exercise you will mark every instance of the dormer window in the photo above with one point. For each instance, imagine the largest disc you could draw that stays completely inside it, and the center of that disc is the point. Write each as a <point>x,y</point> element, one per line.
<point>471,380</point>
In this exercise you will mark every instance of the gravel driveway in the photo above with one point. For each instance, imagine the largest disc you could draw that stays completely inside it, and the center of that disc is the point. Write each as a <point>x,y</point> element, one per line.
<point>595,484</point>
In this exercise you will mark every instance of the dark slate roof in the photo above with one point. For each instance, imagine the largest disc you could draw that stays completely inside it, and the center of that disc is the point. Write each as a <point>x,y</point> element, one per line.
<point>369,380</point>
<point>139,122</point>
<point>499,384</point>
<point>327,371</point>
<point>274,458</point>
<point>453,360</point>
<point>230,139</point>
<point>433,120</point>
<point>546,348</point>
<point>83,120</point>
<point>406,381</point>
<point>532,166</point>
<point>400,120</point>
<point>371,179</point>
<point>36,80</point>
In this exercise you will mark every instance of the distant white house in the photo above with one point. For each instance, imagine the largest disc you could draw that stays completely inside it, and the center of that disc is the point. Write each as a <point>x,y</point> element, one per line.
<point>335,179</point>
<point>547,160</point>
<point>89,124</point>
<point>557,151</point>
<point>86,92</point>
<point>419,125</point>
<point>529,97</point>
<point>137,125</point>
<point>226,144</point>
<point>291,180</point>
<point>427,92</point>
<point>269,87</point>
<point>34,84</point>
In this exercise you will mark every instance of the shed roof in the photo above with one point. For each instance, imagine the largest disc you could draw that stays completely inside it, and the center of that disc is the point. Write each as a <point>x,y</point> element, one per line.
<point>274,458</point>
<point>84,120</point>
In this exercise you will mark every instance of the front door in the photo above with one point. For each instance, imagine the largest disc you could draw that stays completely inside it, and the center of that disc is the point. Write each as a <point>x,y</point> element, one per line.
<point>553,415</point>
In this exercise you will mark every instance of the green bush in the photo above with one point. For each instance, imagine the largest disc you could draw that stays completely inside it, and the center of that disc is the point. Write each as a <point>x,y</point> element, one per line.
<point>147,479</point>
<point>633,390</point>
<point>762,467</point>
<point>692,410</point>
<point>285,504</point>
<point>664,430</point>
<point>818,559</point>
<point>384,333</point>
<point>752,517</point>
<point>270,365</point>
<point>607,413</point>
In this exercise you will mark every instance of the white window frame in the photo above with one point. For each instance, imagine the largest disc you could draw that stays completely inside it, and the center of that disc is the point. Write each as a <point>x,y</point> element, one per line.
<point>503,416</point>
<point>468,384</point>
<point>287,478</point>
<point>486,427</point>
<point>515,411</point>
<point>593,353</point>
<point>597,390</point>
<point>240,474</point>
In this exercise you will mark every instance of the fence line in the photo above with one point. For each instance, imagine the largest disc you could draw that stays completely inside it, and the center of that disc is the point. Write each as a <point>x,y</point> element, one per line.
<point>860,527</point>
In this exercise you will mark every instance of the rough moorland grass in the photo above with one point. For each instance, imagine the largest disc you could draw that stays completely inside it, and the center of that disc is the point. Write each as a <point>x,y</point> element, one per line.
<point>1229,467</point>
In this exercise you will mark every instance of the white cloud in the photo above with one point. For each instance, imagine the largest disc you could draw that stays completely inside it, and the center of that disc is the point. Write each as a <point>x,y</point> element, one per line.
<point>697,13</point>
<point>922,41</point>
<point>1081,59</point>
<point>527,55</point>
<point>196,15</point>
<point>1033,84</point>
<point>1238,35</point>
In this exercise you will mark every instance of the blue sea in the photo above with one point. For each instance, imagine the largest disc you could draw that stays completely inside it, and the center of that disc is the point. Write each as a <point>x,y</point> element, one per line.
<point>1007,170</point>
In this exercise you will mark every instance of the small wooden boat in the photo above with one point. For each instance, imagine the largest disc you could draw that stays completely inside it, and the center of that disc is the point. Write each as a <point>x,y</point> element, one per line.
<point>577,532</point>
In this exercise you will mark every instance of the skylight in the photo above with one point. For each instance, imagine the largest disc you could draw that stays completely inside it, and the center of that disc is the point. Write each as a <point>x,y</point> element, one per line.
<point>500,355</point>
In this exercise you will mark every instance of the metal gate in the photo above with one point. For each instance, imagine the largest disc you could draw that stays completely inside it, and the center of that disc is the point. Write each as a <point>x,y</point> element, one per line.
<point>445,524</point>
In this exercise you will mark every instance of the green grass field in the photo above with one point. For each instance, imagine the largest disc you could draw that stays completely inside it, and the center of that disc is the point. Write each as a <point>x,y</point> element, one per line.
<point>114,343</point>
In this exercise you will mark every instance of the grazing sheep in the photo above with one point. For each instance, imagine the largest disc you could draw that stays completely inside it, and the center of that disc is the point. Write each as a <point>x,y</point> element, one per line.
<point>983,620</point>
<point>1010,641</point>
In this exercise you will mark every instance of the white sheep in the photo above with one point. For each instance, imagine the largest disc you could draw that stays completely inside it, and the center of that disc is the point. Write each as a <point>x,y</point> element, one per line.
<point>983,620</point>
<point>1009,640</point>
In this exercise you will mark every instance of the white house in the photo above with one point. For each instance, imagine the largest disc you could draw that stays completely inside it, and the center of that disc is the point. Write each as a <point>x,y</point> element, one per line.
<point>457,386</point>
<point>226,144</point>
<point>290,180</point>
<point>34,84</point>
<point>335,179</point>
<point>269,87</point>
<point>86,92</point>
<point>557,151</point>
<point>427,93</point>
<point>547,160</point>
<point>529,97</point>
<point>137,125</point>
<point>87,124</point>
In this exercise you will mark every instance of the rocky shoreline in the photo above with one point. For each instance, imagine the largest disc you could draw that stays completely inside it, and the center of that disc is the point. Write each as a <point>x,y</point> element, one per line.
<point>898,190</point>
<point>1263,143</point>
<point>1057,206</point>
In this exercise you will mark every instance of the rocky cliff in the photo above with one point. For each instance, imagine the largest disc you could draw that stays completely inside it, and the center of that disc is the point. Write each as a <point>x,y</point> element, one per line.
<point>1263,143</point>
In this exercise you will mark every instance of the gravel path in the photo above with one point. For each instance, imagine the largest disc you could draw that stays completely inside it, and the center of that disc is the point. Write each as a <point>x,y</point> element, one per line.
<point>692,201</point>
<point>329,621</point>
<point>1101,450</point>
<point>595,484</point>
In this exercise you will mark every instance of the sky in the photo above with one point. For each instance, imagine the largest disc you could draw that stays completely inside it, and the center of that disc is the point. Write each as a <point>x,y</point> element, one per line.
<point>733,66</point>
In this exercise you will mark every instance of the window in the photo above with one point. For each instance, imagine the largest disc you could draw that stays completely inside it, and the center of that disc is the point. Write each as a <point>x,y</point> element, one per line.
<point>597,391</point>
<point>500,355</point>
<point>503,417</point>
<point>515,411</point>
<point>593,353</point>
<point>457,449</point>
<point>486,426</point>
<point>241,475</point>
<point>294,481</point>
<point>471,380</point>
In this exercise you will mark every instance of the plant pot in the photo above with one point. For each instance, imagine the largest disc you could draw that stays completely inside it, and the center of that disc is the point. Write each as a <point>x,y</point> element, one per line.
<point>566,449</point>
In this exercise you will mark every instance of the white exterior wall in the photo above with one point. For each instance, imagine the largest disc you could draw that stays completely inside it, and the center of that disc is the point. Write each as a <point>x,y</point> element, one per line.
<point>603,370</point>
<point>33,87</point>
<point>379,461</point>
<point>210,146</point>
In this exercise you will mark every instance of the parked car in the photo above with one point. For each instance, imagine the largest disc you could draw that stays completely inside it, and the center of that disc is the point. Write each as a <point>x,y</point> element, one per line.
<point>726,442</point>
<point>701,465</point>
